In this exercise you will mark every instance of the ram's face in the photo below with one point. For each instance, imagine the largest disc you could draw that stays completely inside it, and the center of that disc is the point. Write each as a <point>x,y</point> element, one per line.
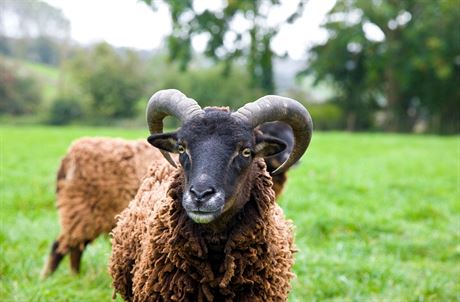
<point>216,153</point>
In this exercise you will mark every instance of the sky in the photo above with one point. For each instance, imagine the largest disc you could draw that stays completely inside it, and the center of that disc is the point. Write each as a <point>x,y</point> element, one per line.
<point>131,23</point>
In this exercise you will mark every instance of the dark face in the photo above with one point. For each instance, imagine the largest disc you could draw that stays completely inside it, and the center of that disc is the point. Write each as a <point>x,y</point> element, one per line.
<point>216,153</point>
<point>283,132</point>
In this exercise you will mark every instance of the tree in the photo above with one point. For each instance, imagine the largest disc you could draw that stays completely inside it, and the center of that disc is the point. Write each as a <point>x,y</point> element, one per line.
<point>225,42</point>
<point>112,82</point>
<point>207,85</point>
<point>344,62</point>
<point>414,64</point>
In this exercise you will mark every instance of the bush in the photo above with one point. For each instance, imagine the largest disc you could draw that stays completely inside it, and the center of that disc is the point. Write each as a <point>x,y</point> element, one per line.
<point>19,92</point>
<point>112,82</point>
<point>64,110</point>
<point>326,116</point>
<point>209,86</point>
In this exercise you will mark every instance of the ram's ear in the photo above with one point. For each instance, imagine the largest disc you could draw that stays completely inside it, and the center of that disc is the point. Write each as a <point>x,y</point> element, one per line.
<point>164,141</point>
<point>267,145</point>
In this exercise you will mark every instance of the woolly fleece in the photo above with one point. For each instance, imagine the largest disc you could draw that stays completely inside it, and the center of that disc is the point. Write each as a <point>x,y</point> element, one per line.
<point>96,180</point>
<point>159,254</point>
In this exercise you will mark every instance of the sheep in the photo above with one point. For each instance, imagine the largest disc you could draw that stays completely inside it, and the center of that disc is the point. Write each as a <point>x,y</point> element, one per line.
<point>96,180</point>
<point>212,230</point>
<point>102,151</point>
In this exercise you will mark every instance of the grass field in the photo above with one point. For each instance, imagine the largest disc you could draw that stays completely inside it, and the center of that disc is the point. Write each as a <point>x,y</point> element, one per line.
<point>377,218</point>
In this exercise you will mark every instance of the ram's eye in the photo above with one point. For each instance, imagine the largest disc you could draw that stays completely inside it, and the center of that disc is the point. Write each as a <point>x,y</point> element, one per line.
<point>180,149</point>
<point>246,152</point>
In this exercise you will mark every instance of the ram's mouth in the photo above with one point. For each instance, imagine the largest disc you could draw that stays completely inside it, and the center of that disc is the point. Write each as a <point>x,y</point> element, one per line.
<point>203,216</point>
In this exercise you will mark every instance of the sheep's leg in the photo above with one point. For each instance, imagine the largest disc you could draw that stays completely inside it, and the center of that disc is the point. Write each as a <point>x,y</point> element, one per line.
<point>75,257</point>
<point>53,260</point>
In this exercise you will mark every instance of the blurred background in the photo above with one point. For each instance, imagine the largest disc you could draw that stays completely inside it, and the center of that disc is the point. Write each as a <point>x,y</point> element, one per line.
<point>359,65</point>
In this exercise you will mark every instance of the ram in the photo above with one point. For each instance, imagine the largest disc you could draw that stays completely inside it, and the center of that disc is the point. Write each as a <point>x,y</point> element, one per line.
<point>212,230</point>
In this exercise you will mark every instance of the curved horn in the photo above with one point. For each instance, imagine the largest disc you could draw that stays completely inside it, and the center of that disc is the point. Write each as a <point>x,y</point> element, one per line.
<point>272,108</point>
<point>170,102</point>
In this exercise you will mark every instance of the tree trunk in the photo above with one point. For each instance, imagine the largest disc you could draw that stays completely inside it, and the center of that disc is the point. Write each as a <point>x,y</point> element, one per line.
<point>351,121</point>
<point>392,94</point>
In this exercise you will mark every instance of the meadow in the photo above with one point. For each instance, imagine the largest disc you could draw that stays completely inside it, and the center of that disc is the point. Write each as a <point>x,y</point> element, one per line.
<point>377,218</point>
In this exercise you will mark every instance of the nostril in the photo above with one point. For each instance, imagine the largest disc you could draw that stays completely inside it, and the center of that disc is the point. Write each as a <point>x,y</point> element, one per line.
<point>201,193</point>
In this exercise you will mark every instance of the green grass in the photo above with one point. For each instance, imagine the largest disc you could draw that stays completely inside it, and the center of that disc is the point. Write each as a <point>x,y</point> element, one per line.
<point>377,218</point>
<point>46,71</point>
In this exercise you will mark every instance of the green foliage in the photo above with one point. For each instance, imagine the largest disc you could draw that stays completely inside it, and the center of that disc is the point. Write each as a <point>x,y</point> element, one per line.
<point>187,22</point>
<point>208,86</point>
<point>45,50</point>
<point>347,71</point>
<point>112,82</point>
<point>48,77</point>
<point>101,90</point>
<point>19,91</point>
<point>411,72</point>
<point>64,111</point>
<point>376,218</point>
<point>42,49</point>
<point>327,116</point>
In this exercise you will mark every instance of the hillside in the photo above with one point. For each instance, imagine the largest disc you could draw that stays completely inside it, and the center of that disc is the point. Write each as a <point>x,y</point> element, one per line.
<point>47,75</point>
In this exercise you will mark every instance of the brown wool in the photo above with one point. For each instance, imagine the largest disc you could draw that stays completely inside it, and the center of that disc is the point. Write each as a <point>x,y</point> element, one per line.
<point>159,254</point>
<point>96,180</point>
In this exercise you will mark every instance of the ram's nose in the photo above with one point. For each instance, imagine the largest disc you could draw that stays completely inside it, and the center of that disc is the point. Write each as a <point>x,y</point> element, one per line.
<point>202,193</point>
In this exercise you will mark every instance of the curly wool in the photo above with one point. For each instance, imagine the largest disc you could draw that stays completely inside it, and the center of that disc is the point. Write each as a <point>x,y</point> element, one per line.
<point>96,180</point>
<point>278,183</point>
<point>159,254</point>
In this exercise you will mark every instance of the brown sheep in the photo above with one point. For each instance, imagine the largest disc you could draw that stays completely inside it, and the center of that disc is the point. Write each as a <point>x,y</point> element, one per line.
<point>212,231</point>
<point>96,180</point>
